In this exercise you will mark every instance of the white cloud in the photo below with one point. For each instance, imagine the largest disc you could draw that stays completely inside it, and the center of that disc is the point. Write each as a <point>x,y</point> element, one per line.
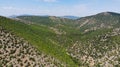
<point>77,10</point>
<point>47,0</point>
<point>9,10</point>
<point>59,10</point>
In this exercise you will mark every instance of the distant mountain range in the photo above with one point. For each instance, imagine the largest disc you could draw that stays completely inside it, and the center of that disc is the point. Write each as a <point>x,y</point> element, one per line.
<point>68,17</point>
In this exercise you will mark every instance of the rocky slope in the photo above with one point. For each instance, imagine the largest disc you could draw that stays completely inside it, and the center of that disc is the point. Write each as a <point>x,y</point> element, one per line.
<point>102,51</point>
<point>16,52</point>
<point>98,21</point>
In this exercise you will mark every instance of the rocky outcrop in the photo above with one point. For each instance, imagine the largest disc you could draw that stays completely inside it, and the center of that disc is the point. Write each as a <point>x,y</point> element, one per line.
<point>16,52</point>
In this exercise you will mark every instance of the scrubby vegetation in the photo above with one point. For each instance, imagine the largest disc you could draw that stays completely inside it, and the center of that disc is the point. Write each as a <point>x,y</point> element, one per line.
<point>15,51</point>
<point>92,41</point>
<point>39,36</point>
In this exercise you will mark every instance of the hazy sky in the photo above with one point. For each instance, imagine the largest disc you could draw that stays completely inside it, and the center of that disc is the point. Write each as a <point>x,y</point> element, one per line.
<point>58,7</point>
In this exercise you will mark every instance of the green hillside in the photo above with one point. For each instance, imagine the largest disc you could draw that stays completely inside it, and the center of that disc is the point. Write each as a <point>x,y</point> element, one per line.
<point>98,21</point>
<point>40,36</point>
<point>91,41</point>
<point>93,36</point>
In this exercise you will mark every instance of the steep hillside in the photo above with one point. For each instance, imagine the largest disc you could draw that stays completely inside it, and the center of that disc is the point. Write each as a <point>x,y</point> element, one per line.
<point>98,21</point>
<point>65,29</point>
<point>99,43</point>
<point>15,51</point>
<point>99,48</point>
<point>40,37</point>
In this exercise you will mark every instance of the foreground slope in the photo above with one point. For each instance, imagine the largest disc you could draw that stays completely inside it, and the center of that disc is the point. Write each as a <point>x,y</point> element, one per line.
<point>16,52</point>
<point>39,36</point>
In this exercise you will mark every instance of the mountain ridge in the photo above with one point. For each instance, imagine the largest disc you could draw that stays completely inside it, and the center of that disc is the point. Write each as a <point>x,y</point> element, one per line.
<point>91,41</point>
<point>101,20</point>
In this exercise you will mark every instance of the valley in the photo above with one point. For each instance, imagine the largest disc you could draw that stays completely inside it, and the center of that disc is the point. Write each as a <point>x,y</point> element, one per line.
<point>91,41</point>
